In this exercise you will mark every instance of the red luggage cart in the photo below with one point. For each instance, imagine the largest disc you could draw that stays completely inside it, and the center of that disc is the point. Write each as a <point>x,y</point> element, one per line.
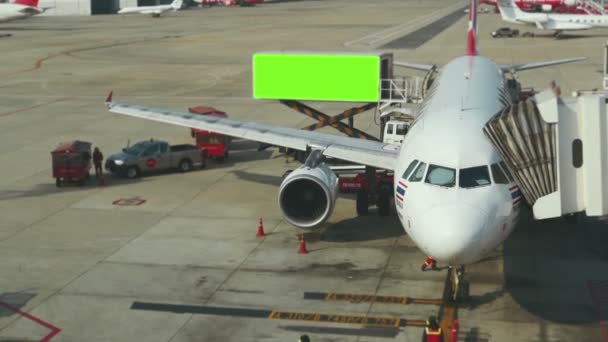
<point>71,162</point>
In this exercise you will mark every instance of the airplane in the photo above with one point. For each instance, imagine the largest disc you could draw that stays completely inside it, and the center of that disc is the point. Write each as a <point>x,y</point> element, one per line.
<point>537,5</point>
<point>454,196</point>
<point>553,22</point>
<point>155,11</point>
<point>19,9</point>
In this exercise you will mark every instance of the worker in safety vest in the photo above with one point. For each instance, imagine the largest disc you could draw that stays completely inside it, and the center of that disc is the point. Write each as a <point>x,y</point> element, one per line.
<point>429,262</point>
<point>432,332</point>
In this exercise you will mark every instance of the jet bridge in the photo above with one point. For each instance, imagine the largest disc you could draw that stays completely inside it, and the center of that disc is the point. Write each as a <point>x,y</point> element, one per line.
<point>557,150</point>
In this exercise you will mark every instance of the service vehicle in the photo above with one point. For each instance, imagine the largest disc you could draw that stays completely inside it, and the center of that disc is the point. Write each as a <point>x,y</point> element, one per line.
<point>155,155</point>
<point>71,162</point>
<point>359,182</point>
<point>505,32</point>
<point>215,145</point>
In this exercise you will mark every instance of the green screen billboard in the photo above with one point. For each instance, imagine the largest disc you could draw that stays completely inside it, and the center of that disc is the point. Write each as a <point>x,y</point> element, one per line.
<point>316,77</point>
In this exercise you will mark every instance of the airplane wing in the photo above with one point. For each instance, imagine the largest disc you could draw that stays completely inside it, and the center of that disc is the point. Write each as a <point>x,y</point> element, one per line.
<point>367,152</point>
<point>415,66</point>
<point>528,66</point>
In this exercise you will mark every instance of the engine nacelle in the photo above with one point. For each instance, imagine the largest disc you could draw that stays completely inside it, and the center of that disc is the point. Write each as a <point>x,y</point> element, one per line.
<point>570,3</point>
<point>308,195</point>
<point>546,8</point>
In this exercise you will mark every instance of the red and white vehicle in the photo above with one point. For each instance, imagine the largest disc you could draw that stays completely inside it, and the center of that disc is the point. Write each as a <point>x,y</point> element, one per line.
<point>555,6</point>
<point>228,2</point>
<point>214,145</point>
<point>358,182</point>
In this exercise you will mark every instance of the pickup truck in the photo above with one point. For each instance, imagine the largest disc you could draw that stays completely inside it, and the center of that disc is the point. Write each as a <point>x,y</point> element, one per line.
<point>155,155</point>
<point>505,32</point>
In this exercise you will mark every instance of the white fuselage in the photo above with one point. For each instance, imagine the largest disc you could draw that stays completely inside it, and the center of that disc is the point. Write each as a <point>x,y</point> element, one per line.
<point>450,223</point>
<point>562,22</point>
<point>152,10</point>
<point>10,12</point>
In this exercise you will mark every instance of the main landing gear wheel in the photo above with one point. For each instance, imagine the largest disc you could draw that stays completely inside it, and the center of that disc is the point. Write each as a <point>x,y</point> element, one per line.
<point>362,203</point>
<point>459,287</point>
<point>384,201</point>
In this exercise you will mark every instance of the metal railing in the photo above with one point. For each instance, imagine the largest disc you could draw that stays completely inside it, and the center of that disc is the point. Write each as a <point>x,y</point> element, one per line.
<point>401,90</point>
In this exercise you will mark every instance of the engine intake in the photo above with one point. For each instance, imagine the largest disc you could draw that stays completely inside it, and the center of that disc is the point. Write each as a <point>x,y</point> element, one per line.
<point>307,196</point>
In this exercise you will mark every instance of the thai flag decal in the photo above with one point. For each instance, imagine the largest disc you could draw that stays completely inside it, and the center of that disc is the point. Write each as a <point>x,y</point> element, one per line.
<point>516,195</point>
<point>400,192</point>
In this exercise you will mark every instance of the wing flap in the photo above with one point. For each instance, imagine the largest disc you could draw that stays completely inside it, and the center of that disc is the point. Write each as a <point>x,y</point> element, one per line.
<point>535,65</point>
<point>372,153</point>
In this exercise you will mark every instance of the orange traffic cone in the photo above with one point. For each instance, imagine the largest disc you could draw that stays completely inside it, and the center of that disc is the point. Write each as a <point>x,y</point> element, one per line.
<point>260,233</point>
<point>302,249</point>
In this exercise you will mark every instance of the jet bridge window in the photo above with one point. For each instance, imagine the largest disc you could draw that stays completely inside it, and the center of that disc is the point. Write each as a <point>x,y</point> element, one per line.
<point>419,173</point>
<point>442,176</point>
<point>498,175</point>
<point>410,168</point>
<point>473,177</point>
<point>389,129</point>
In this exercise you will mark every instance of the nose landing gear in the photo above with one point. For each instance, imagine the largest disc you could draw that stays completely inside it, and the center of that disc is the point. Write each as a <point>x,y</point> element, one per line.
<point>459,289</point>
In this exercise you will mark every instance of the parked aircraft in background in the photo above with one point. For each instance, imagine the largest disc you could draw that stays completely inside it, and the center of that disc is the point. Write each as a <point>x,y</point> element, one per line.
<point>19,9</point>
<point>538,5</point>
<point>155,11</point>
<point>453,193</point>
<point>548,21</point>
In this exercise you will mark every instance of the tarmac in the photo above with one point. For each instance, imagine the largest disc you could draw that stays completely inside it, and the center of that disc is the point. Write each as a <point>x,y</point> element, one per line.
<point>185,264</point>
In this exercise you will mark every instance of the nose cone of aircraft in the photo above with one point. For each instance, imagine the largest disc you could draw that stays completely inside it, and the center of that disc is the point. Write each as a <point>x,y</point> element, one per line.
<point>452,233</point>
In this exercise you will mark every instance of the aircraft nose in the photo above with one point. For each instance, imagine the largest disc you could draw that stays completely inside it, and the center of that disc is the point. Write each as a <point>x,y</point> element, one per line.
<point>452,233</point>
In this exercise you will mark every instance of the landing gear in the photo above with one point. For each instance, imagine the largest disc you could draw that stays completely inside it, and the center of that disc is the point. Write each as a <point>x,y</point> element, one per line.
<point>384,201</point>
<point>459,289</point>
<point>362,203</point>
<point>557,34</point>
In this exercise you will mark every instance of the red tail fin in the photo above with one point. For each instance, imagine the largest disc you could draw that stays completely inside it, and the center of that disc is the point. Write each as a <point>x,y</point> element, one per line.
<point>472,33</point>
<point>33,3</point>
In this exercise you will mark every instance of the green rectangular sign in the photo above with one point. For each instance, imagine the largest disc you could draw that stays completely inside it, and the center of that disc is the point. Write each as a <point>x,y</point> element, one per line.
<point>316,77</point>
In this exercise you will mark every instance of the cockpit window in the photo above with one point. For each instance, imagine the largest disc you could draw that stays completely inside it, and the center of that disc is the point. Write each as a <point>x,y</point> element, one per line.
<point>439,175</point>
<point>473,177</point>
<point>498,175</point>
<point>506,170</point>
<point>419,173</point>
<point>410,168</point>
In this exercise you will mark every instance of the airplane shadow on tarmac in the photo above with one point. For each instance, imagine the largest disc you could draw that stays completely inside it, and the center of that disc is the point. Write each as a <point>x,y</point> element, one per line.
<point>363,228</point>
<point>550,264</point>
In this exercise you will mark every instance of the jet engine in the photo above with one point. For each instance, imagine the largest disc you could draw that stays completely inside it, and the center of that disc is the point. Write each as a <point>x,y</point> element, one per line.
<point>547,8</point>
<point>308,195</point>
<point>570,3</point>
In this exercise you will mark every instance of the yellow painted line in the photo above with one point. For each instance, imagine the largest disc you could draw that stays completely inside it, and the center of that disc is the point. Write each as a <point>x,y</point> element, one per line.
<point>371,298</point>
<point>370,321</point>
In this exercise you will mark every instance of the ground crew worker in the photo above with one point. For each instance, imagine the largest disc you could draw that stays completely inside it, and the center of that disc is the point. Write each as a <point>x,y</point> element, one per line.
<point>432,332</point>
<point>98,161</point>
<point>304,338</point>
<point>429,262</point>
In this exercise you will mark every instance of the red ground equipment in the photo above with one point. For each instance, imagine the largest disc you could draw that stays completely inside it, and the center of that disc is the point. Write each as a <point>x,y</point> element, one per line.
<point>71,162</point>
<point>358,182</point>
<point>215,145</point>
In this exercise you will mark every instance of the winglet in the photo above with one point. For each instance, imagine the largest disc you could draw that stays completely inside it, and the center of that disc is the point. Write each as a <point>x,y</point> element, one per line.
<point>109,98</point>
<point>472,33</point>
